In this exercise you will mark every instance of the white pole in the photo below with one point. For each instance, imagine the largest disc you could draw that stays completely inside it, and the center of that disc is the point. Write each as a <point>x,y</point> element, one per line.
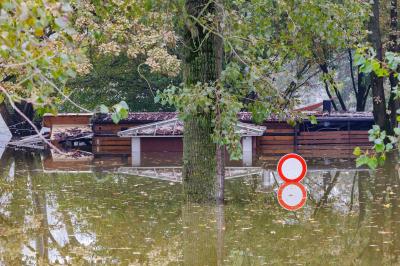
<point>247,146</point>
<point>136,151</point>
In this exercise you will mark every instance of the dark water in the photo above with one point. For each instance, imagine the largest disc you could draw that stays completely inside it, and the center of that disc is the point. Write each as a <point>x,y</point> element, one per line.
<point>88,216</point>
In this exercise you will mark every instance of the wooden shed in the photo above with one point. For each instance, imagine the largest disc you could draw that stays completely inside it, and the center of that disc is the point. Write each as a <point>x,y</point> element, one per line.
<point>167,136</point>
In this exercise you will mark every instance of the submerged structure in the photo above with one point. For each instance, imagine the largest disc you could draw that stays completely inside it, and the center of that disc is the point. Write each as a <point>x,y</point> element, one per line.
<point>160,132</point>
<point>144,138</point>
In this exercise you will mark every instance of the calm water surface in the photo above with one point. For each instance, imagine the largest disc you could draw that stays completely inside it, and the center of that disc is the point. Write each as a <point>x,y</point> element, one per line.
<point>105,217</point>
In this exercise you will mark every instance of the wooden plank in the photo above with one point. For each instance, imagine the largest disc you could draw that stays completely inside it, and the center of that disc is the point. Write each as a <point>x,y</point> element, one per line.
<point>112,148</point>
<point>331,147</point>
<point>112,152</point>
<point>279,147</point>
<point>324,152</point>
<point>352,132</point>
<point>275,142</point>
<point>290,138</point>
<point>322,137</point>
<point>100,142</point>
<point>332,141</point>
<point>275,151</point>
<point>66,119</point>
<point>110,138</point>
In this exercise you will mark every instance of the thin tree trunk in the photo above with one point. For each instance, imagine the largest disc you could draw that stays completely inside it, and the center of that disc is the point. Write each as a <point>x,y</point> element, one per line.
<point>353,80</point>
<point>360,89</point>
<point>362,92</point>
<point>324,68</point>
<point>202,63</point>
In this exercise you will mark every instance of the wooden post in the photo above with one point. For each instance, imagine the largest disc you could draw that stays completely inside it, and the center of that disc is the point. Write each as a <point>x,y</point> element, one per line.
<point>348,136</point>
<point>295,138</point>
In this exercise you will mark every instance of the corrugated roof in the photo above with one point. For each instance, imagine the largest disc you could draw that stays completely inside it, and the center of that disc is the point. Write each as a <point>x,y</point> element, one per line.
<point>175,127</point>
<point>246,117</point>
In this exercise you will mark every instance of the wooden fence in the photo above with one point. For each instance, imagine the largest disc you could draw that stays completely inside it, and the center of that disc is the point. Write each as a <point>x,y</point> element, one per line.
<point>315,144</point>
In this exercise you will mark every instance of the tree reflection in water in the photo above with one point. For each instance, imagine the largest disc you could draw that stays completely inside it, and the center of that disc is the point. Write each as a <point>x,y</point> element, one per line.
<point>351,217</point>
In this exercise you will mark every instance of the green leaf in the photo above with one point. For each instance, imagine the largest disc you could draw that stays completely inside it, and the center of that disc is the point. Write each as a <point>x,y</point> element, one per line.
<point>123,113</point>
<point>115,118</point>
<point>103,109</point>
<point>359,59</point>
<point>389,147</point>
<point>124,105</point>
<point>362,160</point>
<point>357,151</point>
<point>366,67</point>
<point>372,163</point>
<point>313,120</point>
<point>379,147</point>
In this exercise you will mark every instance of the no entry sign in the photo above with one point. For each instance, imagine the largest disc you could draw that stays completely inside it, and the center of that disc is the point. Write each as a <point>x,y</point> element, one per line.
<point>292,168</point>
<point>292,196</point>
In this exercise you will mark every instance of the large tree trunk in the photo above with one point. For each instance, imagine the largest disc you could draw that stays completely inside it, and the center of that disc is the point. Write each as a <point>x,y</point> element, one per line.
<point>202,63</point>
<point>393,103</point>
<point>378,94</point>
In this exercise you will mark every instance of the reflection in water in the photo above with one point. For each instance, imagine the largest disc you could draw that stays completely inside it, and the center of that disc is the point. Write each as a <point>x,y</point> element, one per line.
<point>119,218</point>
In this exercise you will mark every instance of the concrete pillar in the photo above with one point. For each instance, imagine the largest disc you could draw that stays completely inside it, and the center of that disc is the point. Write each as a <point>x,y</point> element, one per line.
<point>247,146</point>
<point>136,151</point>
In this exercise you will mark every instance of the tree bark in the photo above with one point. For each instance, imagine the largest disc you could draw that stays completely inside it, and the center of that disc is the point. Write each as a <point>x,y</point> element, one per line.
<point>378,95</point>
<point>393,103</point>
<point>202,63</point>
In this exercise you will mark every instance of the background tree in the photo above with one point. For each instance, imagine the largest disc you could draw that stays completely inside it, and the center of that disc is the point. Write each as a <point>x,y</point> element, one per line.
<point>114,79</point>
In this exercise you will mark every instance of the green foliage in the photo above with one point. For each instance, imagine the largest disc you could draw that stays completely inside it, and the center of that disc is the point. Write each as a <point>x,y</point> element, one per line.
<point>115,79</point>
<point>208,99</point>
<point>37,50</point>
<point>260,38</point>
<point>383,143</point>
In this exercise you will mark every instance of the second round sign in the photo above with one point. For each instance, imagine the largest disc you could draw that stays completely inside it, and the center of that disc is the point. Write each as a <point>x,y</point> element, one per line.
<point>292,168</point>
<point>292,196</point>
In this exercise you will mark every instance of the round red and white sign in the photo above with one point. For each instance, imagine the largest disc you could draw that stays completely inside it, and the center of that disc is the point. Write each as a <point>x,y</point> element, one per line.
<point>292,168</point>
<point>292,196</point>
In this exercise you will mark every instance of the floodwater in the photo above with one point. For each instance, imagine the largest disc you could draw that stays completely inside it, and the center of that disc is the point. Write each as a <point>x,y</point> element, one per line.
<point>113,217</point>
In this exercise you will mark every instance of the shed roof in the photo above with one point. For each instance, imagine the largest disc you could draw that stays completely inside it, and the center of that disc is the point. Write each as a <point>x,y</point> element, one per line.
<point>175,127</point>
<point>245,117</point>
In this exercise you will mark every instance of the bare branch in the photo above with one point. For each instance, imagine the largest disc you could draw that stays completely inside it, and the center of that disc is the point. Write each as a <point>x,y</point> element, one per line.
<point>9,97</point>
